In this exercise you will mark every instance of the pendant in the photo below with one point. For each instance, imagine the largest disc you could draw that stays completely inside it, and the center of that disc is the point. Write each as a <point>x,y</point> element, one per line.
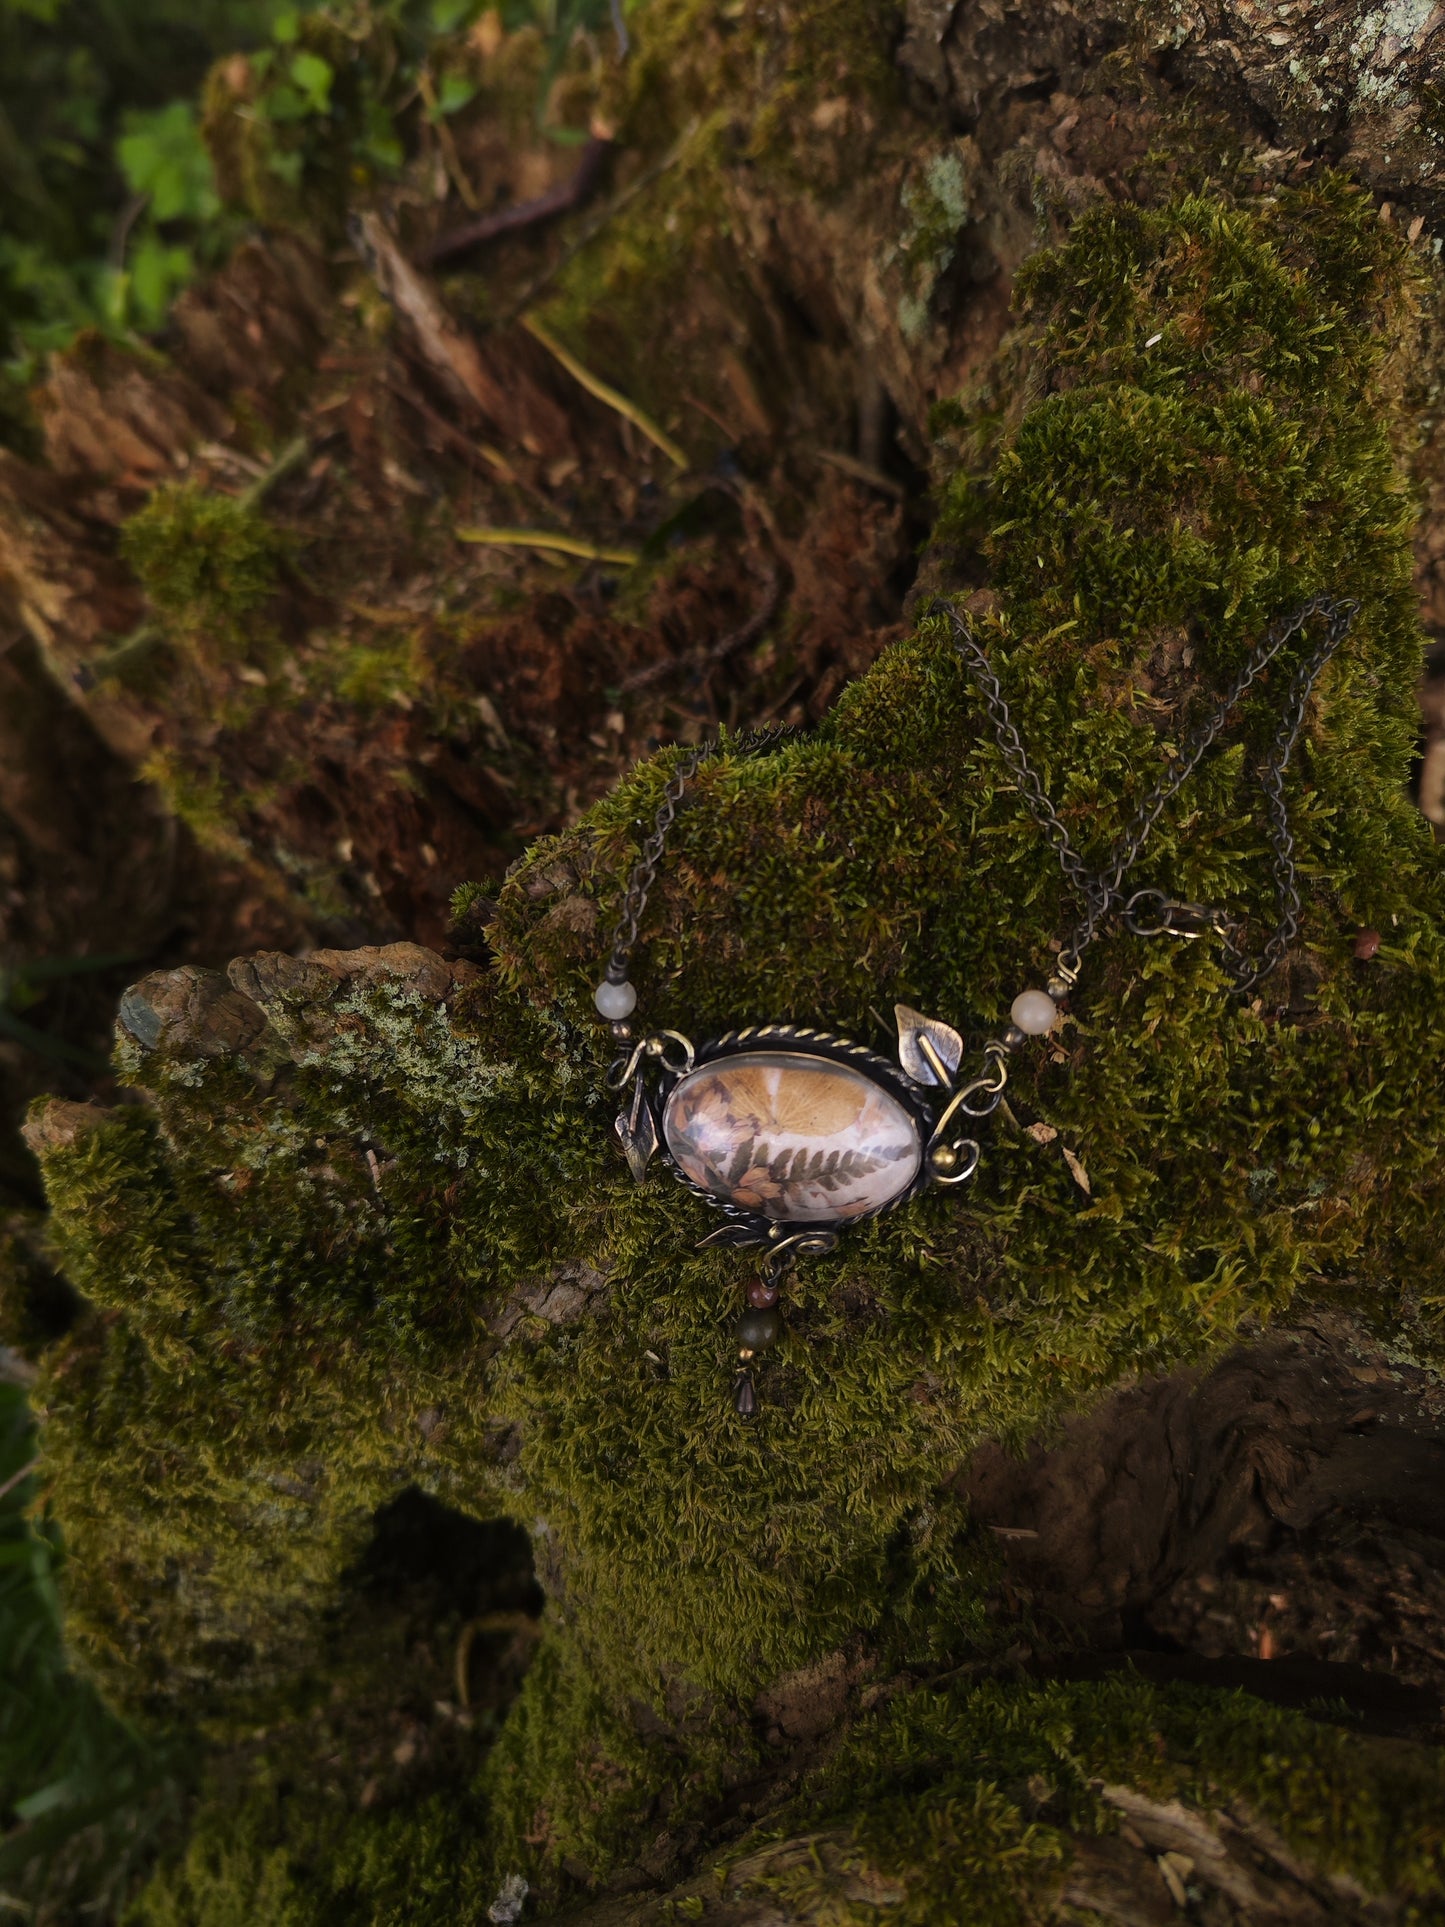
<point>794,1133</point>
<point>795,1136</point>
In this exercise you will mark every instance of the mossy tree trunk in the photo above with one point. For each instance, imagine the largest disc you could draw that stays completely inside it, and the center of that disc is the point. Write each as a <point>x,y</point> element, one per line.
<point>1043,1475</point>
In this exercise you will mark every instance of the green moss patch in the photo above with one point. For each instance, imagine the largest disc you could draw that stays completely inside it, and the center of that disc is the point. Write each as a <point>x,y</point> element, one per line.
<point>208,563</point>
<point>975,1801</point>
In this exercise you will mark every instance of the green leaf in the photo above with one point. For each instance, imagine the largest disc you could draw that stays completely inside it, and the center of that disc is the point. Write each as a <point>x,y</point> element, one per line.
<point>58,1794</point>
<point>161,154</point>
<point>44,969</point>
<point>285,103</point>
<point>157,273</point>
<point>379,143</point>
<point>314,76</point>
<point>454,93</point>
<point>68,153</point>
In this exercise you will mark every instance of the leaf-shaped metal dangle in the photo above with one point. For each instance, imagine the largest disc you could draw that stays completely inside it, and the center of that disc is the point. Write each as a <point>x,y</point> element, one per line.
<point>636,1130</point>
<point>929,1050</point>
<point>736,1237</point>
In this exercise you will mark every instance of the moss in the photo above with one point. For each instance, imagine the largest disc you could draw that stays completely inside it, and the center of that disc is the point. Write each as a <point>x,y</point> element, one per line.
<point>974,1800</point>
<point>570,1780</point>
<point>201,799</point>
<point>322,1280</point>
<point>750,102</point>
<point>782,61</point>
<point>215,1593</point>
<point>605,294</point>
<point>366,1806</point>
<point>209,564</point>
<point>815,53</point>
<point>905,864</point>
<point>277,1853</point>
<point>466,899</point>
<point>968,1807</point>
<point>372,676</point>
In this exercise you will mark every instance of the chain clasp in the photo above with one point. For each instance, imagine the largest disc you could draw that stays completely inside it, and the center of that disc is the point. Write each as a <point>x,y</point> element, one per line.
<point>1151,913</point>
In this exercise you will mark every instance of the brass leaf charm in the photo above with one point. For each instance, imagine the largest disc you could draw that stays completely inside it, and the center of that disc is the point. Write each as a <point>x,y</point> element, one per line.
<point>928,1049</point>
<point>636,1130</point>
<point>733,1236</point>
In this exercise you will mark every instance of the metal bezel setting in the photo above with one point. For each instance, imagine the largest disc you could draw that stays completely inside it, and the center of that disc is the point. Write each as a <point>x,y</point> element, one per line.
<point>676,1058</point>
<point>746,1227</point>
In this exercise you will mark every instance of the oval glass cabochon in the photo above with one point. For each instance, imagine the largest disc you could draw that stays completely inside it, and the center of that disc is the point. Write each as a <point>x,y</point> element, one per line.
<point>801,1139</point>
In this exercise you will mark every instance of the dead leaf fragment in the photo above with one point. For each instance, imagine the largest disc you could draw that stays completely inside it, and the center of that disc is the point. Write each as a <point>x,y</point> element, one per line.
<point>1080,1175</point>
<point>1175,1867</point>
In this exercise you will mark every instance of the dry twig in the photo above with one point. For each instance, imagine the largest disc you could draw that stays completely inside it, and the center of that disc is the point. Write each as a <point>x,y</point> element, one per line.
<point>524,214</point>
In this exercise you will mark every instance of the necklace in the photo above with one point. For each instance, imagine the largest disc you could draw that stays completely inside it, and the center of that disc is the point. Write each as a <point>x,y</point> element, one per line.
<point>794,1132</point>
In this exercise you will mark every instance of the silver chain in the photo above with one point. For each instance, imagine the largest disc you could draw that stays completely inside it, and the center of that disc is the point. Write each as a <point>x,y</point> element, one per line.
<point>1101,891</point>
<point>1147,912</point>
<point>644,871</point>
<point>749,742</point>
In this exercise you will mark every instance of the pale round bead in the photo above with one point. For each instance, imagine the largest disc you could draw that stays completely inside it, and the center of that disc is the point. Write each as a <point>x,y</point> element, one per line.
<point>615,1000</point>
<point>1034,1011</point>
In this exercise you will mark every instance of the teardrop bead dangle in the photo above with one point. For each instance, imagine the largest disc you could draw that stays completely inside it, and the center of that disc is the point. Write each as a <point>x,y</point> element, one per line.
<point>745,1397</point>
<point>757,1329</point>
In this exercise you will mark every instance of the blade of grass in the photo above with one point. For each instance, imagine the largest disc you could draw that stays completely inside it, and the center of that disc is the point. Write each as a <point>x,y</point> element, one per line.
<point>547,539</point>
<point>610,397</point>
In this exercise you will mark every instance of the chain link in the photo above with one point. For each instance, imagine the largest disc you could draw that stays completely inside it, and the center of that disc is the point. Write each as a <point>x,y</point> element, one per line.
<point>749,742</point>
<point>1101,891</point>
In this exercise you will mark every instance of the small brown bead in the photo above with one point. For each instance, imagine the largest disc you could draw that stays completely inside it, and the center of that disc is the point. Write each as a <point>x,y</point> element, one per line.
<point>761,1295</point>
<point>1367,944</point>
